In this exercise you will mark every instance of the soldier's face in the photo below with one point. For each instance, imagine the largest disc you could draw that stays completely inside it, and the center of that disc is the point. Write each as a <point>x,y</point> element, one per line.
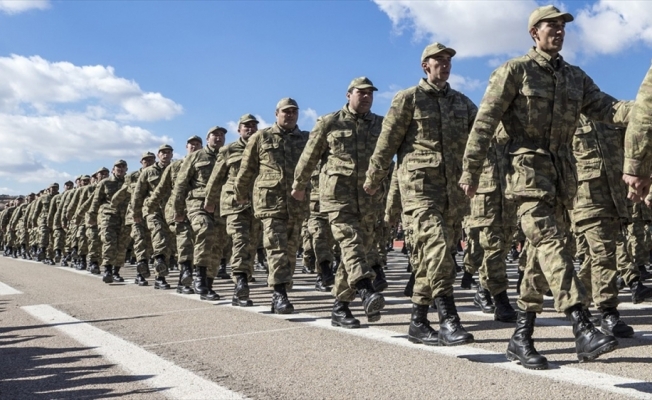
<point>102,175</point>
<point>68,187</point>
<point>438,68</point>
<point>360,100</point>
<point>247,129</point>
<point>148,161</point>
<point>216,139</point>
<point>287,119</point>
<point>164,156</point>
<point>193,145</point>
<point>119,171</point>
<point>85,182</point>
<point>549,35</point>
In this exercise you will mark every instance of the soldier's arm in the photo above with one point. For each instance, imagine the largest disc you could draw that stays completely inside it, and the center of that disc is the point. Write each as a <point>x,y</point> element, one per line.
<point>393,206</point>
<point>83,208</point>
<point>217,179</point>
<point>395,126</point>
<point>53,210</point>
<point>164,186</point>
<point>248,169</point>
<point>138,196</point>
<point>310,155</point>
<point>33,216</point>
<point>99,197</point>
<point>182,185</point>
<point>120,196</point>
<point>501,91</point>
<point>638,138</point>
<point>72,205</point>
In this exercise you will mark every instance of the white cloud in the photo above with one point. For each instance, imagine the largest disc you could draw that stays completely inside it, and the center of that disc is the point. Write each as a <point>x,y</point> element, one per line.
<point>388,94</point>
<point>232,128</point>
<point>19,6</point>
<point>464,84</point>
<point>308,118</point>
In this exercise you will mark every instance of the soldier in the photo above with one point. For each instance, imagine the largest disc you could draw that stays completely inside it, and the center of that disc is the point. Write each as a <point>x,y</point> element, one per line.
<point>55,248</point>
<point>427,126</point>
<point>638,142</point>
<point>24,227</point>
<point>241,224</point>
<point>539,98</point>
<point>14,225</point>
<point>93,240</point>
<point>160,231</point>
<point>60,220</point>
<point>268,165</point>
<point>10,233</point>
<point>344,141</point>
<point>638,236</point>
<point>40,219</point>
<point>73,216</point>
<point>189,195</point>
<point>113,230</point>
<point>182,230</point>
<point>4,226</point>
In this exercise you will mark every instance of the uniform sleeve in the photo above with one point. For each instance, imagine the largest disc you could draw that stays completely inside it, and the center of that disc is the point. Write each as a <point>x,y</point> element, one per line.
<point>35,211</point>
<point>395,126</point>
<point>139,194</point>
<point>182,185</point>
<point>99,197</point>
<point>122,195</point>
<point>638,138</point>
<point>311,155</point>
<point>393,206</point>
<point>217,179</point>
<point>83,207</point>
<point>164,186</point>
<point>72,206</point>
<point>248,169</point>
<point>501,91</point>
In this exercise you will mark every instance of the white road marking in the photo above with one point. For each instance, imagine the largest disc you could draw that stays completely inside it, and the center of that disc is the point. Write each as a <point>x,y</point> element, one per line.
<point>6,290</point>
<point>179,383</point>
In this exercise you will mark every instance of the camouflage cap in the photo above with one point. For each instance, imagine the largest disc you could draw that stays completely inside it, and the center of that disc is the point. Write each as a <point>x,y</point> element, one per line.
<point>165,147</point>
<point>215,129</point>
<point>119,162</point>
<point>547,12</point>
<point>69,183</point>
<point>103,169</point>
<point>31,194</point>
<point>361,83</point>
<point>246,118</point>
<point>85,178</point>
<point>20,198</point>
<point>147,154</point>
<point>285,103</point>
<point>54,185</point>
<point>434,49</point>
<point>194,137</point>
<point>78,178</point>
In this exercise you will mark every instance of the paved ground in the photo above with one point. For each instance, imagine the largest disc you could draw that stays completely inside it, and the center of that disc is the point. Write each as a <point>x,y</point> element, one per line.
<point>68,335</point>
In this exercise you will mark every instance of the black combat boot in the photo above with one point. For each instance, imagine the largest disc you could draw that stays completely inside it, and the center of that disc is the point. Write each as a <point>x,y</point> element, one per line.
<point>319,284</point>
<point>409,266</point>
<point>107,277</point>
<point>241,292</point>
<point>420,330</point>
<point>519,281</point>
<point>372,302</point>
<point>596,321</point>
<point>280,302</point>
<point>504,310</point>
<point>467,281</point>
<point>451,331</point>
<point>513,253</point>
<point>342,316</point>
<point>620,283</point>
<point>142,268</point>
<point>308,265</point>
<point>57,255</point>
<point>185,276</point>
<point>94,268</point>
<point>73,253</point>
<point>161,283</point>
<point>40,254</point>
<point>64,260</point>
<point>81,265</point>
<point>160,266</point>
<point>458,268</point>
<point>482,300</point>
<point>221,273</point>
<point>211,295</point>
<point>640,292</point>
<point>261,265</point>
<point>116,275</point>
<point>612,324</point>
<point>409,287</point>
<point>521,345</point>
<point>200,281</point>
<point>590,343</point>
<point>174,265</point>
<point>380,283</point>
<point>140,280</point>
<point>327,277</point>
<point>645,275</point>
<point>185,289</point>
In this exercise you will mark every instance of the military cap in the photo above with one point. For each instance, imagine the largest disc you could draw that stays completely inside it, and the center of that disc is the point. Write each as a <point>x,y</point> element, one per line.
<point>165,147</point>
<point>547,12</point>
<point>103,169</point>
<point>85,178</point>
<point>194,137</point>
<point>31,194</point>
<point>69,183</point>
<point>120,162</point>
<point>434,49</point>
<point>54,185</point>
<point>361,83</point>
<point>147,154</point>
<point>285,103</point>
<point>21,198</point>
<point>215,129</point>
<point>78,178</point>
<point>246,118</point>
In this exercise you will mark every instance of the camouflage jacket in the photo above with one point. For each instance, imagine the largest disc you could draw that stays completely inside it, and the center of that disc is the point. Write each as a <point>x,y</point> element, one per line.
<point>103,198</point>
<point>427,129</point>
<point>80,196</point>
<point>40,211</point>
<point>82,209</point>
<point>55,203</point>
<point>162,196</point>
<point>268,164</point>
<point>539,106</point>
<point>16,217</point>
<point>219,191</point>
<point>123,196</point>
<point>59,218</point>
<point>147,182</point>
<point>190,187</point>
<point>393,206</point>
<point>6,217</point>
<point>638,138</point>
<point>28,218</point>
<point>343,142</point>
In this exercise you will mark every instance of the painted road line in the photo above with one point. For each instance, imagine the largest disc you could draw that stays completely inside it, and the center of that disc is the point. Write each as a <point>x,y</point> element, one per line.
<point>6,290</point>
<point>178,382</point>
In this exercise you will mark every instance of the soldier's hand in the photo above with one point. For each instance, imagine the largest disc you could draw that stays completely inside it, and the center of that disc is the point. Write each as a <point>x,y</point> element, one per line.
<point>209,208</point>
<point>369,190</point>
<point>299,195</point>
<point>469,190</point>
<point>641,186</point>
<point>178,217</point>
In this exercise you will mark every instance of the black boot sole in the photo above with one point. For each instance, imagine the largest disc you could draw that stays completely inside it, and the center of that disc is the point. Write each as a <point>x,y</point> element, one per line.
<point>241,302</point>
<point>162,287</point>
<point>513,357</point>
<point>210,297</point>
<point>107,279</point>
<point>345,326</point>
<point>372,308</point>
<point>605,348</point>
<point>484,310</point>
<point>380,286</point>
<point>417,340</point>
<point>186,280</point>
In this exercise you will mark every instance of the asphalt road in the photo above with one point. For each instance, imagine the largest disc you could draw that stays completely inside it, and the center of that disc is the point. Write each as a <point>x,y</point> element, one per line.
<point>65,334</point>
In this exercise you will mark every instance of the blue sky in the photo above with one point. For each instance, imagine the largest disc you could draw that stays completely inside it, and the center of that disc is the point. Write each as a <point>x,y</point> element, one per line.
<point>86,82</point>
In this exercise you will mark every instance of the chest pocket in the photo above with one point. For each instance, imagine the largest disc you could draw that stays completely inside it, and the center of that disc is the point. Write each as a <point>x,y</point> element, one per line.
<point>539,104</point>
<point>341,140</point>
<point>204,169</point>
<point>270,152</point>
<point>153,181</point>
<point>585,145</point>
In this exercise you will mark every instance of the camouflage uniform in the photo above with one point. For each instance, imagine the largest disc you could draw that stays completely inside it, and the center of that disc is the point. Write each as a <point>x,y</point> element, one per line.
<point>61,222</point>
<point>40,220</point>
<point>4,225</point>
<point>268,165</point>
<point>539,101</point>
<point>14,227</point>
<point>638,138</point>
<point>74,214</point>
<point>319,230</point>
<point>55,248</point>
<point>638,239</point>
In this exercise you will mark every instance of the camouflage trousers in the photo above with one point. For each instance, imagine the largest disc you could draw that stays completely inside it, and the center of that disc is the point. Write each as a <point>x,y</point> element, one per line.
<point>207,250</point>
<point>94,244</point>
<point>34,236</point>
<point>306,243</point>
<point>549,260</point>
<point>281,239</point>
<point>82,241</point>
<point>58,239</point>
<point>184,241</point>
<point>473,253</point>
<point>43,237</point>
<point>321,239</point>
<point>493,243</point>
<point>626,267</point>
<point>381,238</point>
<point>355,235</point>
<point>161,236</point>
<point>598,275</point>
<point>638,239</point>
<point>224,242</point>
<point>244,230</point>
<point>71,237</point>
<point>115,238</point>
<point>142,241</point>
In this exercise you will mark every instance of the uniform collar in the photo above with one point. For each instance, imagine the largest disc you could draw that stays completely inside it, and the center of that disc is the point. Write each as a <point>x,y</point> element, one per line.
<point>432,90</point>
<point>348,113</point>
<point>277,129</point>
<point>545,60</point>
